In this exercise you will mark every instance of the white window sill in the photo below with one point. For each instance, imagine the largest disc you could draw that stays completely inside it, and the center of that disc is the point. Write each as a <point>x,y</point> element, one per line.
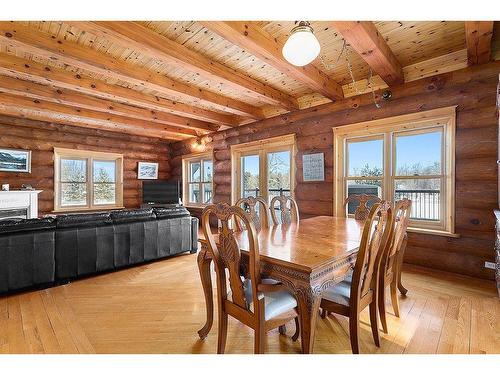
<point>433,232</point>
<point>87,209</point>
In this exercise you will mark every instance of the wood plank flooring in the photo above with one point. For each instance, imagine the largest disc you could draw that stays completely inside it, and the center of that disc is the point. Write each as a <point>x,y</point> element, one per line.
<point>158,307</point>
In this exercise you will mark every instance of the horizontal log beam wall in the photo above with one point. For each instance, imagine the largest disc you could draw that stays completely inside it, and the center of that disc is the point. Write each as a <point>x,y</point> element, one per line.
<point>472,90</point>
<point>41,138</point>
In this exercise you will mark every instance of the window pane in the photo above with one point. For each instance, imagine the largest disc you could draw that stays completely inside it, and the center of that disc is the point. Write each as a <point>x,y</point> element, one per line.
<point>207,170</point>
<point>194,193</point>
<point>278,173</point>
<point>73,194</point>
<point>194,171</point>
<point>250,175</point>
<point>207,193</point>
<point>73,170</point>
<point>410,158</point>
<point>104,171</point>
<point>104,193</point>
<point>369,187</point>
<point>425,196</point>
<point>365,158</point>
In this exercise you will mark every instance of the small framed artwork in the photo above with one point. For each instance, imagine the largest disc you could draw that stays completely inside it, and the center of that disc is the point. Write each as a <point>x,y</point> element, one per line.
<point>147,171</point>
<point>15,160</point>
<point>313,167</point>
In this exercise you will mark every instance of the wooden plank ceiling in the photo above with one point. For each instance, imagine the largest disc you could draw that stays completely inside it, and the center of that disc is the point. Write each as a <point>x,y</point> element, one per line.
<point>178,80</point>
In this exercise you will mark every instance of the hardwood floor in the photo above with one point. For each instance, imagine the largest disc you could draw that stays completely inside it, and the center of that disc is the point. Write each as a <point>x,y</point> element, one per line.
<point>158,307</point>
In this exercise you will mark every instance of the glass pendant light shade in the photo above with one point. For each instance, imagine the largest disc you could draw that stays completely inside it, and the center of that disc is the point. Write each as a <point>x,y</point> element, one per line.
<point>302,47</point>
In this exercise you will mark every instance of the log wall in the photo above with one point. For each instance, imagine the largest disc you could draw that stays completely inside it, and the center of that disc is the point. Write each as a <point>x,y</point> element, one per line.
<point>472,90</point>
<point>41,138</point>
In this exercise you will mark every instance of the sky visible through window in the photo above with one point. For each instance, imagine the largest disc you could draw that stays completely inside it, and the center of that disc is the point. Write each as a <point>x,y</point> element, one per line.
<point>422,148</point>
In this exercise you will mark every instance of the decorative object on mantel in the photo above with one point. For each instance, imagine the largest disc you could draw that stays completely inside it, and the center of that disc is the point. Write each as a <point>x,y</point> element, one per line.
<point>313,167</point>
<point>27,187</point>
<point>12,160</point>
<point>5,187</point>
<point>301,47</point>
<point>147,171</point>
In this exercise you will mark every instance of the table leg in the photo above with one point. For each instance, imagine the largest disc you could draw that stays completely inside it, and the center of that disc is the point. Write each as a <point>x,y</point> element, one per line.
<point>308,302</point>
<point>399,266</point>
<point>204,262</point>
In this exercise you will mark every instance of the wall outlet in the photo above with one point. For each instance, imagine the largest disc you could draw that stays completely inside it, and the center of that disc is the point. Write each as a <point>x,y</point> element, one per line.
<point>490,265</point>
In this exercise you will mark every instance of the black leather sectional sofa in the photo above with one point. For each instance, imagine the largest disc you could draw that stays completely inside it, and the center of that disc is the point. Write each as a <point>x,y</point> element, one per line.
<point>46,251</point>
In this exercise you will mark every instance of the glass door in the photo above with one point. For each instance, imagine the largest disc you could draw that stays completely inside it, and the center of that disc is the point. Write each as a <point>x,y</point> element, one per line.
<point>278,173</point>
<point>250,176</point>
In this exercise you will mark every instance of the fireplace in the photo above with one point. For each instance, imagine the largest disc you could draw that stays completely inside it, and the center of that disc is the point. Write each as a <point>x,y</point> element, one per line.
<point>21,204</point>
<point>14,213</point>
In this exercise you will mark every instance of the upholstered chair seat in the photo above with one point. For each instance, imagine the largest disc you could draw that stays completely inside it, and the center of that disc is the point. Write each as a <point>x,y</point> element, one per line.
<point>339,293</point>
<point>276,302</point>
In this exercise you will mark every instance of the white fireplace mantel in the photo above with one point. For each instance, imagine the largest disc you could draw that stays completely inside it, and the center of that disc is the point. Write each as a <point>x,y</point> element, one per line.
<point>20,199</point>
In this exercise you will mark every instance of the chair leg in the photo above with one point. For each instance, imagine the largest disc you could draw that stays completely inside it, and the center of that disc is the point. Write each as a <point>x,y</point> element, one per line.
<point>222,333</point>
<point>353,333</point>
<point>394,297</point>
<point>374,323</point>
<point>381,308</point>
<point>297,330</point>
<point>282,330</point>
<point>259,340</point>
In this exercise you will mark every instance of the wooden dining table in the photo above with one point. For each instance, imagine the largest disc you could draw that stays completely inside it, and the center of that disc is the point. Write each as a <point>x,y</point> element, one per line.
<point>307,257</point>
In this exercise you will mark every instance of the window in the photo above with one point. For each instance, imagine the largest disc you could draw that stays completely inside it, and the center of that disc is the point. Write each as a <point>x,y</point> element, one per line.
<point>197,180</point>
<point>263,168</point>
<point>87,180</point>
<point>409,156</point>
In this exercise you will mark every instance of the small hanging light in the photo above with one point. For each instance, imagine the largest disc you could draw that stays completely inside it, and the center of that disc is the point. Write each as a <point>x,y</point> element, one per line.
<point>302,47</point>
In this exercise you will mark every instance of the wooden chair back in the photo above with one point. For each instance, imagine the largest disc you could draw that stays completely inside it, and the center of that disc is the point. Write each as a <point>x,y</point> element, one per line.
<point>226,254</point>
<point>402,210</point>
<point>288,215</point>
<point>362,210</point>
<point>259,219</point>
<point>377,231</point>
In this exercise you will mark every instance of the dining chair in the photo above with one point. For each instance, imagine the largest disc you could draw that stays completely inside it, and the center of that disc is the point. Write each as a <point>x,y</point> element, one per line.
<point>288,214</point>
<point>353,295</point>
<point>259,305</point>
<point>259,219</point>
<point>362,210</point>
<point>390,265</point>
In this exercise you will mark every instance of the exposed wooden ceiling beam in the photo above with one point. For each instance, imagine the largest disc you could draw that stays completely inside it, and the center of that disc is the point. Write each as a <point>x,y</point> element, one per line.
<point>261,44</point>
<point>62,96</point>
<point>48,46</point>
<point>44,110</point>
<point>147,41</point>
<point>478,40</point>
<point>16,67</point>
<point>365,39</point>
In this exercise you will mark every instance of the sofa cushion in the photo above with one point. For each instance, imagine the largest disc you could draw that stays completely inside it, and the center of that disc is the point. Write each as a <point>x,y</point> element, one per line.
<point>170,213</point>
<point>24,225</point>
<point>132,215</point>
<point>95,219</point>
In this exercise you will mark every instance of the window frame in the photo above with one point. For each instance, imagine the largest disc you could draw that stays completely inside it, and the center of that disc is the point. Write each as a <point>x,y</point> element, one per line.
<point>389,129</point>
<point>186,162</point>
<point>89,157</point>
<point>261,148</point>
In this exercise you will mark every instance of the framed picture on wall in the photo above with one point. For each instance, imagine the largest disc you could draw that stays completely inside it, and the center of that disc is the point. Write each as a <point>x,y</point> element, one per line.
<point>147,171</point>
<point>15,160</point>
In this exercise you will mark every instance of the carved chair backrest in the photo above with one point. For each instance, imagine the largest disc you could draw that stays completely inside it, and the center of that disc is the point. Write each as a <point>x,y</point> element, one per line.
<point>377,231</point>
<point>362,210</point>
<point>259,219</point>
<point>402,210</point>
<point>226,253</point>
<point>288,214</point>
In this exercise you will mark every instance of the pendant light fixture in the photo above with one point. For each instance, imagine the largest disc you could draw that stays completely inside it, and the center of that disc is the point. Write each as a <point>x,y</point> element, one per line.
<point>302,47</point>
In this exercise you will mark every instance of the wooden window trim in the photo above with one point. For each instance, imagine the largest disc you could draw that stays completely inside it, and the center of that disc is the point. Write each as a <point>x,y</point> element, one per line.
<point>90,157</point>
<point>389,128</point>
<point>186,159</point>
<point>261,148</point>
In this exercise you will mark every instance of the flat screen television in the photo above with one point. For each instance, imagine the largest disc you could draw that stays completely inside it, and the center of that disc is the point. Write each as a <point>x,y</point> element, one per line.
<point>160,192</point>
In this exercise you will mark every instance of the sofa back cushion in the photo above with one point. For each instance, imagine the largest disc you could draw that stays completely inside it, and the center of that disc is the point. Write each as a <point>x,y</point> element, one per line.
<point>94,219</point>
